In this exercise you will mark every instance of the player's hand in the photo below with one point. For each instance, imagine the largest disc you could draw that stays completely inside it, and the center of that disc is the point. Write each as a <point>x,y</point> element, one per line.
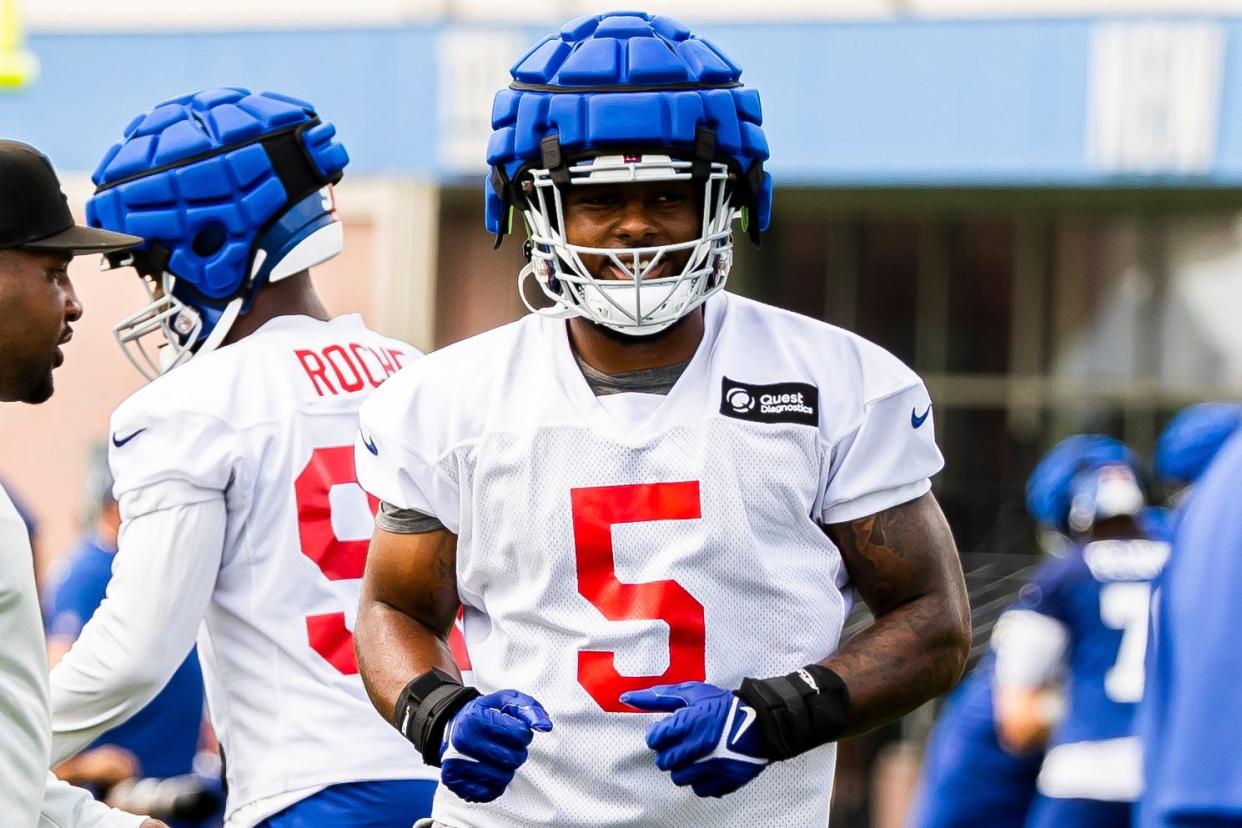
<point>711,741</point>
<point>153,823</point>
<point>485,743</point>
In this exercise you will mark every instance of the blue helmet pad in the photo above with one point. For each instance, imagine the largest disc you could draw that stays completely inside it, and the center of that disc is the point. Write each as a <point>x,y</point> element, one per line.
<point>1193,437</point>
<point>1049,489</point>
<point>192,176</point>
<point>625,80</point>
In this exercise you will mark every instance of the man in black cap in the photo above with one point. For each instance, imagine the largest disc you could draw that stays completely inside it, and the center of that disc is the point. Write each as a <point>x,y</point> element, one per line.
<point>38,238</point>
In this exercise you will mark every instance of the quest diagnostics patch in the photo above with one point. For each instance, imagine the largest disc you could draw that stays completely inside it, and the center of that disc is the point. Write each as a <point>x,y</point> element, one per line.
<point>780,402</point>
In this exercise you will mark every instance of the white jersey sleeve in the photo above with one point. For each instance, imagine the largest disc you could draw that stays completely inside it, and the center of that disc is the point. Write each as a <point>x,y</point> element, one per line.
<point>66,806</point>
<point>888,455</point>
<point>169,458</point>
<point>162,581</point>
<point>388,459</point>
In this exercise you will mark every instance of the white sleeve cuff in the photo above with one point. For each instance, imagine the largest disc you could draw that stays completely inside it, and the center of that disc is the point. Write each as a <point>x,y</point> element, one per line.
<point>1029,649</point>
<point>876,502</point>
<point>65,806</point>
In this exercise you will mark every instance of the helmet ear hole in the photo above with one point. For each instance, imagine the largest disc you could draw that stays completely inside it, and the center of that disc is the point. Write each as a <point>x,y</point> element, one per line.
<point>208,241</point>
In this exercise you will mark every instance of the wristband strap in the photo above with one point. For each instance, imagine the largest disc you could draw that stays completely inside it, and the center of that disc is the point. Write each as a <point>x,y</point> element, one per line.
<point>426,706</point>
<point>798,712</point>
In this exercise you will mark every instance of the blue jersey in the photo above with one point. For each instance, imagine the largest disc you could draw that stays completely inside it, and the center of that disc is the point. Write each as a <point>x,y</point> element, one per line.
<point>1100,593</point>
<point>164,734</point>
<point>1192,716</point>
<point>968,779</point>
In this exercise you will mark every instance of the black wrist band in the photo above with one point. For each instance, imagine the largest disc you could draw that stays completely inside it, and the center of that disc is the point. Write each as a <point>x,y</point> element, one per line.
<point>425,707</point>
<point>798,712</point>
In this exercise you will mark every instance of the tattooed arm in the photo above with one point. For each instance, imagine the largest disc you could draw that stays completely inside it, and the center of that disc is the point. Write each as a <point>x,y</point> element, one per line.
<point>904,564</point>
<point>409,602</point>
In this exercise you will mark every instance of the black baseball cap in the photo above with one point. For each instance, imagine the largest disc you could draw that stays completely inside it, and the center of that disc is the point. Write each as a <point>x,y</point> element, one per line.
<point>34,213</point>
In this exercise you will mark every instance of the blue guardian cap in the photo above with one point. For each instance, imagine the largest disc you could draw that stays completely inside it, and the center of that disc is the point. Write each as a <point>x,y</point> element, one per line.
<point>626,97</point>
<point>230,191</point>
<point>1192,439</point>
<point>1082,479</point>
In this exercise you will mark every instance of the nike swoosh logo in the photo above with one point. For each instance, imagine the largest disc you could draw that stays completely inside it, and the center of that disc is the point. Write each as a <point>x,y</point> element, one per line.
<point>917,419</point>
<point>369,443</point>
<point>749,713</point>
<point>120,441</point>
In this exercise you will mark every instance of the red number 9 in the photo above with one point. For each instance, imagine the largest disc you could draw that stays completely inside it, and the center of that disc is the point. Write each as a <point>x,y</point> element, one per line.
<point>338,560</point>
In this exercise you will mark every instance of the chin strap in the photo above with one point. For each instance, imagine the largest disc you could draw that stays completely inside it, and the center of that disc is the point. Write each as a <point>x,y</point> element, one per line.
<point>556,311</point>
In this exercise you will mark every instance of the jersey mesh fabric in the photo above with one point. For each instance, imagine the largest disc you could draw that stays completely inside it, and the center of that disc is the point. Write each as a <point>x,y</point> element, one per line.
<point>503,457</point>
<point>249,420</point>
<point>766,579</point>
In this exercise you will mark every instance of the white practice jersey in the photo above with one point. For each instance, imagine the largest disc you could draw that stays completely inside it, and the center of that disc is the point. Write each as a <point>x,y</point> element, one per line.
<point>270,422</point>
<point>610,544</point>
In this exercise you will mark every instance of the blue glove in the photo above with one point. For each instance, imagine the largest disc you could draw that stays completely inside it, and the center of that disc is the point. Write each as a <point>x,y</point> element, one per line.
<point>711,741</point>
<point>485,743</point>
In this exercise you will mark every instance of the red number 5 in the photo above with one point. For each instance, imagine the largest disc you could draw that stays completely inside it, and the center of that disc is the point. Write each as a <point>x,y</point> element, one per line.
<point>595,511</point>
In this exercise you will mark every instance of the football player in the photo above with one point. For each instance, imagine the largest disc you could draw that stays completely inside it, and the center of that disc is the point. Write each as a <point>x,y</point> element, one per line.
<point>243,521</point>
<point>1192,440</point>
<point>654,499</point>
<point>969,779</point>
<point>1083,619</point>
<point>1182,454</point>
<point>1190,715</point>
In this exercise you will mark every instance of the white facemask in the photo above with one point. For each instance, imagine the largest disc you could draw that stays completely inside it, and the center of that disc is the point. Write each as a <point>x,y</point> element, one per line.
<point>634,305</point>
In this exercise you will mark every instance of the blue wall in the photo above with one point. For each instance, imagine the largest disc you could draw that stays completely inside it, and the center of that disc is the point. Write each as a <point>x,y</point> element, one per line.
<point>955,103</point>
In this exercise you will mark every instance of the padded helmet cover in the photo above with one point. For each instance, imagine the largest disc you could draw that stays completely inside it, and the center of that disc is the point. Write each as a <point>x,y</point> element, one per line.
<point>1193,437</point>
<point>194,177</point>
<point>626,81</point>
<point>1049,488</point>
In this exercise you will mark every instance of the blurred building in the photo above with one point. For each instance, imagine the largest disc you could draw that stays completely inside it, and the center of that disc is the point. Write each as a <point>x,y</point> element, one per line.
<point>1035,210</point>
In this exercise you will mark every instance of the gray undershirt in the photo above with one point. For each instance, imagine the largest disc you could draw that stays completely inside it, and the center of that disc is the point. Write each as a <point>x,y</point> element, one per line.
<point>645,381</point>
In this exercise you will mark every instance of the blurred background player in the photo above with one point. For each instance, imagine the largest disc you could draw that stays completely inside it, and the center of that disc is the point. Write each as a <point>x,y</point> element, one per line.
<point>1190,715</point>
<point>1182,453</point>
<point>1190,442</point>
<point>161,740</point>
<point>38,306</point>
<point>653,498</point>
<point>969,778</point>
<point>242,521</point>
<point>1082,620</point>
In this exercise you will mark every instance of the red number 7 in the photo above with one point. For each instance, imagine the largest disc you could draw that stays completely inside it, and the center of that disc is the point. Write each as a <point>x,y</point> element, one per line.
<point>595,511</point>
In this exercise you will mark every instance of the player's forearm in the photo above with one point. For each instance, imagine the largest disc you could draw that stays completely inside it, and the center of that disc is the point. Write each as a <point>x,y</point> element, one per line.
<point>907,657</point>
<point>393,648</point>
<point>904,564</point>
